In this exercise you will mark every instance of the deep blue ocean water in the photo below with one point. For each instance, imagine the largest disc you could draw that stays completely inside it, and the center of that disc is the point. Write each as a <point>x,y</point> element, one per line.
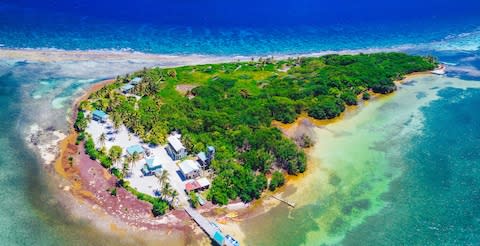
<point>440,190</point>
<point>226,28</point>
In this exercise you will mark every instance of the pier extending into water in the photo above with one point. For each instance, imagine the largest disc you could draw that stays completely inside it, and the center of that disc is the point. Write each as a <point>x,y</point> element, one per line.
<point>211,229</point>
<point>291,204</point>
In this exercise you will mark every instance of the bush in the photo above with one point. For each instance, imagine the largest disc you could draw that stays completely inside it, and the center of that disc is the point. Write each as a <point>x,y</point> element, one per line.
<point>159,207</point>
<point>95,154</point>
<point>81,136</point>
<point>366,96</point>
<point>81,122</point>
<point>326,107</point>
<point>349,98</point>
<point>116,172</point>
<point>277,180</point>
<point>113,191</point>
<point>193,199</point>
<point>384,87</point>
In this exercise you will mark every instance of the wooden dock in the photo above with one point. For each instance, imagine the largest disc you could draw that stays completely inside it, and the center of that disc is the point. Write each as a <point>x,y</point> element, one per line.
<point>291,204</point>
<point>212,231</point>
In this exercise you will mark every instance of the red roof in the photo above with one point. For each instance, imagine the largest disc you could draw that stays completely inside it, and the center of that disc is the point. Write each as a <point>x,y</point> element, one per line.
<point>194,185</point>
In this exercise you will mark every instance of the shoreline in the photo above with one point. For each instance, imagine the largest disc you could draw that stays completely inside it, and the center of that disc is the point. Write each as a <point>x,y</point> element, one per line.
<point>58,55</point>
<point>222,214</point>
<point>129,216</point>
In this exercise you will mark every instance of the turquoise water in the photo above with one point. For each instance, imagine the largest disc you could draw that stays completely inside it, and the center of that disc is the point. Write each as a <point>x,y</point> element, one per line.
<point>435,202</point>
<point>402,170</point>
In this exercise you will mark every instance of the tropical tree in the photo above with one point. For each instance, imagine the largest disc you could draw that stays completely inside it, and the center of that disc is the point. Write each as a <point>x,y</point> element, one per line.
<point>174,196</point>
<point>101,139</point>
<point>126,166</point>
<point>134,158</point>
<point>163,177</point>
<point>115,153</point>
<point>193,199</point>
<point>166,190</point>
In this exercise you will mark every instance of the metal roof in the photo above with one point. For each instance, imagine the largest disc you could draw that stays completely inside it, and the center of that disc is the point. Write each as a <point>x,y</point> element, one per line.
<point>127,87</point>
<point>203,182</point>
<point>135,148</point>
<point>188,166</point>
<point>175,143</point>
<point>154,163</point>
<point>136,80</point>
<point>202,156</point>
<point>99,113</point>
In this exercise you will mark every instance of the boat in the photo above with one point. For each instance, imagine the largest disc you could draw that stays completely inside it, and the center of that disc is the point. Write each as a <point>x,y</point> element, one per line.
<point>440,70</point>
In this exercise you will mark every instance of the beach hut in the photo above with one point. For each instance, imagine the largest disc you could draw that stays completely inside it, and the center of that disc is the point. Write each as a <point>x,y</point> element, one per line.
<point>190,169</point>
<point>219,238</point>
<point>196,185</point>
<point>136,81</point>
<point>204,183</point>
<point>135,149</point>
<point>152,166</point>
<point>202,159</point>
<point>175,148</point>
<point>99,115</point>
<point>126,88</point>
<point>192,186</point>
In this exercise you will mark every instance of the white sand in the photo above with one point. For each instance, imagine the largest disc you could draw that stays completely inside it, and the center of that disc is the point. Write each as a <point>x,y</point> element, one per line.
<point>144,184</point>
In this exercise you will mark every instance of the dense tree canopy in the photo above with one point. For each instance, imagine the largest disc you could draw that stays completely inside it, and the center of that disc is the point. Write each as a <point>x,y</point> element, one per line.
<point>232,105</point>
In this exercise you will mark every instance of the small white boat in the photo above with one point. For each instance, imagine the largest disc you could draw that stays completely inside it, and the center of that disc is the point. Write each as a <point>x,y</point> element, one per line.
<point>440,70</point>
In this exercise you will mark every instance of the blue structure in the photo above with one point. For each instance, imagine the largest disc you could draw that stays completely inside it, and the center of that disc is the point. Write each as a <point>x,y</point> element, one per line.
<point>202,159</point>
<point>152,166</point>
<point>136,81</point>
<point>99,115</point>
<point>135,148</point>
<point>219,238</point>
<point>126,88</point>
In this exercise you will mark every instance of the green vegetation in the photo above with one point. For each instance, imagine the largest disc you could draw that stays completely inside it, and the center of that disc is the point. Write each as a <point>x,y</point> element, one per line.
<point>366,96</point>
<point>231,106</point>
<point>160,206</point>
<point>96,154</point>
<point>80,122</point>
<point>113,191</point>
<point>193,199</point>
<point>277,180</point>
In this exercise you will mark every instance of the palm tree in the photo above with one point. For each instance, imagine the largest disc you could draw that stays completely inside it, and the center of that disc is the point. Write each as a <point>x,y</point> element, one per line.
<point>126,166</point>
<point>102,139</point>
<point>166,190</point>
<point>134,158</point>
<point>174,196</point>
<point>117,121</point>
<point>115,153</point>
<point>163,178</point>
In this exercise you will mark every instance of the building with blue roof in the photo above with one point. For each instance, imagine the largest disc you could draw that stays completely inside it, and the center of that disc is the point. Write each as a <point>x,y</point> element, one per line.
<point>135,148</point>
<point>136,81</point>
<point>126,88</point>
<point>202,159</point>
<point>152,166</point>
<point>219,238</point>
<point>99,115</point>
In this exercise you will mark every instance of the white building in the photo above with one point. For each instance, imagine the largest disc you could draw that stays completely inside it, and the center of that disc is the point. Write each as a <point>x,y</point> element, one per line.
<point>175,148</point>
<point>190,169</point>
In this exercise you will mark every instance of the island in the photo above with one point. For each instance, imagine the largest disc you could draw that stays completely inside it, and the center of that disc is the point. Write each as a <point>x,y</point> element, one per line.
<point>182,137</point>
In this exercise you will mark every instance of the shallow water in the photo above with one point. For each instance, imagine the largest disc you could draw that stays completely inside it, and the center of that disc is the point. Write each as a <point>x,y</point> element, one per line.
<point>391,173</point>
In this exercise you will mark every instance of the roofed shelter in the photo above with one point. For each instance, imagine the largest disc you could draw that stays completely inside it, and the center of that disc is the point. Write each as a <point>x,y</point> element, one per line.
<point>99,115</point>
<point>190,169</point>
<point>175,148</point>
<point>135,149</point>
<point>136,81</point>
